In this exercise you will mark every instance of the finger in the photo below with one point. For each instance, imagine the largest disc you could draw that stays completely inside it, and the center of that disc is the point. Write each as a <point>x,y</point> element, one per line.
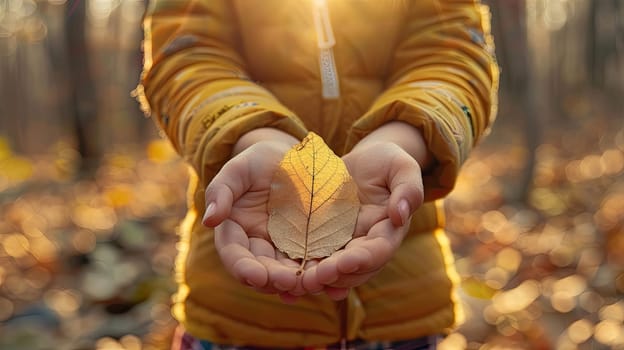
<point>361,261</point>
<point>293,266</point>
<point>357,259</point>
<point>280,277</point>
<point>233,248</point>
<point>368,216</point>
<point>229,232</point>
<point>309,280</point>
<point>385,230</point>
<point>225,188</point>
<point>406,189</point>
<point>260,247</point>
<point>284,259</point>
<point>244,266</point>
<point>298,290</point>
<point>312,263</point>
<point>327,270</point>
<point>369,253</point>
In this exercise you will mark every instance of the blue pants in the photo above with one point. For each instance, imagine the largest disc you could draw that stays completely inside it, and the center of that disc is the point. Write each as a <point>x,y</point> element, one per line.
<point>184,341</point>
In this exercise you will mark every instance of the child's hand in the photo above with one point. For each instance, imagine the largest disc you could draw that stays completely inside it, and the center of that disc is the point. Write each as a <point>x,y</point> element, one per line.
<point>236,202</point>
<point>390,190</point>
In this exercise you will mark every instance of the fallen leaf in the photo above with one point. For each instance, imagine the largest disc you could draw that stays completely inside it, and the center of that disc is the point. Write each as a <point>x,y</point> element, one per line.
<point>477,288</point>
<point>313,202</point>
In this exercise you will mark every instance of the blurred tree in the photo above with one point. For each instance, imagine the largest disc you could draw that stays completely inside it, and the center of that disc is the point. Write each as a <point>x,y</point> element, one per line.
<point>509,22</point>
<point>605,25</point>
<point>9,125</point>
<point>83,101</point>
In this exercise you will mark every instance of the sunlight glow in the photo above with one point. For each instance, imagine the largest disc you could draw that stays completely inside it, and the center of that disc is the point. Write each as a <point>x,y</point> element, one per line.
<point>64,302</point>
<point>99,11</point>
<point>518,298</point>
<point>555,14</point>
<point>580,331</point>
<point>16,245</point>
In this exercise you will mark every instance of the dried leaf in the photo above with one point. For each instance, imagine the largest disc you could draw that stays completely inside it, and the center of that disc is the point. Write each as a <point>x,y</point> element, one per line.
<point>313,203</point>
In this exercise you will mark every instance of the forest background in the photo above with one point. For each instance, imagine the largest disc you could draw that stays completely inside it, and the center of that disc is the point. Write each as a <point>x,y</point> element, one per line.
<point>90,195</point>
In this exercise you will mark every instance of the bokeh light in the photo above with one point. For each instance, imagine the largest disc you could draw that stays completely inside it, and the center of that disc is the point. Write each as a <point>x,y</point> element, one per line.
<point>87,254</point>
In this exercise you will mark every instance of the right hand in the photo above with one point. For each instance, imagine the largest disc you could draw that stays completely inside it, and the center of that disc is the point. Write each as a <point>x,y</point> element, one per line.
<point>236,202</point>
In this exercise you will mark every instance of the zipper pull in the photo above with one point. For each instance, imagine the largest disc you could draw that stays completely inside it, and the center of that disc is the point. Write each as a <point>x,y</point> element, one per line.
<point>324,33</point>
<point>325,41</point>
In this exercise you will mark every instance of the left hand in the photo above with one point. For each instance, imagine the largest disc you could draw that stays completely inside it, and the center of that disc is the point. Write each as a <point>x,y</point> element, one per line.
<point>390,189</point>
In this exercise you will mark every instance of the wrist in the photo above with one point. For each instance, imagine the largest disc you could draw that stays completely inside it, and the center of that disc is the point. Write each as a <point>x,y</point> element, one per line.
<point>404,135</point>
<point>263,134</point>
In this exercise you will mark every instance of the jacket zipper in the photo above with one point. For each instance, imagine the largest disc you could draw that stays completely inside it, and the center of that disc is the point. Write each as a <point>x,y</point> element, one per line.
<point>331,90</point>
<point>325,42</point>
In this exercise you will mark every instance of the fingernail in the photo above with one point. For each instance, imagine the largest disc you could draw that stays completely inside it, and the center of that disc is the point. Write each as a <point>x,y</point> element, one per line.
<point>316,292</point>
<point>404,211</point>
<point>210,210</point>
<point>281,287</point>
<point>354,267</point>
<point>250,284</point>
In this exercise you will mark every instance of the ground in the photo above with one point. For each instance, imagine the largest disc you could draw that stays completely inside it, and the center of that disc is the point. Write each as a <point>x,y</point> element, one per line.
<point>86,260</point>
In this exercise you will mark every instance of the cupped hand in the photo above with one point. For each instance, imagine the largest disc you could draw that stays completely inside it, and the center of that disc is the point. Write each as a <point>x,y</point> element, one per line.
<point>390,189</point>
<point>237,208</point>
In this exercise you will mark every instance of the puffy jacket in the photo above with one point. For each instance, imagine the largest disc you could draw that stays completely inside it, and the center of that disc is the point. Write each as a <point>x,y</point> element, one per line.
<point>216,69</point>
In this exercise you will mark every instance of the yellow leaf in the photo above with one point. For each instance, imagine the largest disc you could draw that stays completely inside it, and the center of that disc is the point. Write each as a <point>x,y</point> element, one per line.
<point>477,288</point>
<point>313,202</point>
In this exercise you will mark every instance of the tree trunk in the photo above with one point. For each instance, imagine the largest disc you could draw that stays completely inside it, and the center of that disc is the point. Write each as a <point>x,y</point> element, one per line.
<point>83,104</point>
<point>515,55</point>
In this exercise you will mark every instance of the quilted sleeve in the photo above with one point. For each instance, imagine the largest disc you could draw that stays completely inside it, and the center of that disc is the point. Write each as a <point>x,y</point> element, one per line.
<point>195,85</point>
<point>444,81</point>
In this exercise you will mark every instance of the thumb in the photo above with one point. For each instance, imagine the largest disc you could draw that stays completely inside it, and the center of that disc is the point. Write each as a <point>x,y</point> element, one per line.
<point>406,190</point>
<point>225,188</point>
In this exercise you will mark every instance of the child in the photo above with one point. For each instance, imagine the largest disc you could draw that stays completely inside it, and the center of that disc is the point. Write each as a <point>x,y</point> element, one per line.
<point>402,90</point>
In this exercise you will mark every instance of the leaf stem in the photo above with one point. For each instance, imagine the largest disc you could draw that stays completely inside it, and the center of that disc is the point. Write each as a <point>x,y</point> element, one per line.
<point>307,230</point>
<point>300,270</point>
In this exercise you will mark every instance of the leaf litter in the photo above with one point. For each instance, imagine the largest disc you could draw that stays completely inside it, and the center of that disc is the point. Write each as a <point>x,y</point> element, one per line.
<point>544,275</point>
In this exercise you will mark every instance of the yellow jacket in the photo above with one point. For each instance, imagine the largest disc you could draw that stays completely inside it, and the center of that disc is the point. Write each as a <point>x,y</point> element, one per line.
<point>215,69</point>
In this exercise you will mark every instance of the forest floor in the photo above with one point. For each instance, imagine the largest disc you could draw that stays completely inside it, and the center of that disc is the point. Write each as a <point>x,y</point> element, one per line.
<point>85,263</point>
